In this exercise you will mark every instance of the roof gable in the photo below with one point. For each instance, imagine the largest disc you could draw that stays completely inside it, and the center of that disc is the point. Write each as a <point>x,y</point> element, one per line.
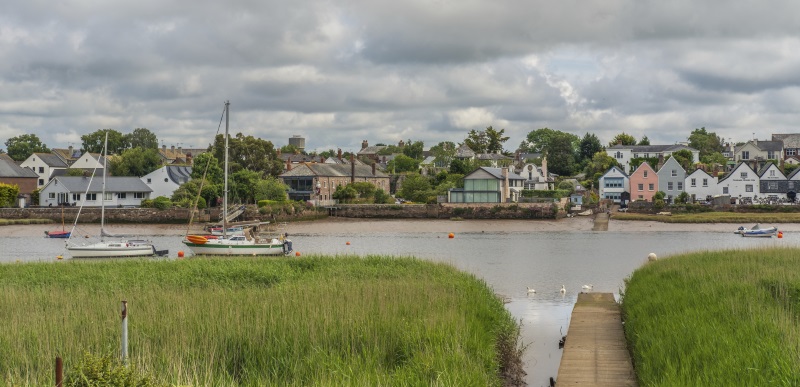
<point>672,163</point>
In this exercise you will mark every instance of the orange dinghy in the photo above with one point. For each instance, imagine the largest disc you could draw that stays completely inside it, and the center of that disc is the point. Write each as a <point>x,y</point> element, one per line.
<point>198,239</point>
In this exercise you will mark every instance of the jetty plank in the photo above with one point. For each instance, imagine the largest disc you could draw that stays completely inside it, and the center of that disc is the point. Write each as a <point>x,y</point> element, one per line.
<point>595,353</point>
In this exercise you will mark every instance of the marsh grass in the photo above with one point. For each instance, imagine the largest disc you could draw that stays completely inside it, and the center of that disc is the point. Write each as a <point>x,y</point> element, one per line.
<point>727,318</point>
<point>244,321</point>
<point>714,217</point>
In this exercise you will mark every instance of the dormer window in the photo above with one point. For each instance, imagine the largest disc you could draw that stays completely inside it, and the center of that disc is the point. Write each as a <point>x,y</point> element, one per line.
<point>645,173</point>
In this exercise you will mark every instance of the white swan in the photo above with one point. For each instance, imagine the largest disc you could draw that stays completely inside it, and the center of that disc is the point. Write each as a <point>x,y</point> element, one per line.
<point>531,290</point>
<point>562,289</point>
<point>587,287</point>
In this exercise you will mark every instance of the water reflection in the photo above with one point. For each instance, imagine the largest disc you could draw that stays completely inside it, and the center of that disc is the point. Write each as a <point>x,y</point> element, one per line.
<point>508,261</point>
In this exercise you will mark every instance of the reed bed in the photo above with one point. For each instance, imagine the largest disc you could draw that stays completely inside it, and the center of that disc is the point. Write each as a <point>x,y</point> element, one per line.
<point>245,321</point>
<point>726,318</point>
<point>714,217</point>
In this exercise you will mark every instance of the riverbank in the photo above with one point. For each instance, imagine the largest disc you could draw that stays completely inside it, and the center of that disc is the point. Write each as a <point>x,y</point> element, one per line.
<point>717,318</point>
<point>250,321</point>
<point>351,225</point>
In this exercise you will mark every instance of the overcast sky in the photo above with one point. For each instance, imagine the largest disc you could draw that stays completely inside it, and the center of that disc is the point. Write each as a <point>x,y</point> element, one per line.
<point>339,72</point>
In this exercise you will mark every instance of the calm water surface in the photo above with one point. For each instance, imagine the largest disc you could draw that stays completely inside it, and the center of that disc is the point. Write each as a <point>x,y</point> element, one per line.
<point>507,261</point>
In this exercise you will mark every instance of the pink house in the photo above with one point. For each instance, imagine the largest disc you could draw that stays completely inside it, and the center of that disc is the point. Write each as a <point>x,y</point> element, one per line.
<point>644,183</point>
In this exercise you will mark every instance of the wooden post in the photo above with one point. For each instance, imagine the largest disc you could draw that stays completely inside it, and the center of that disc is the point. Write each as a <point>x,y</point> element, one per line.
<point>124,332</point>
<point>59,372</point>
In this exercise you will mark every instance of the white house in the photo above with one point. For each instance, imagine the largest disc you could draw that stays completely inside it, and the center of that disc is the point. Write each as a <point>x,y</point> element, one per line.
<point>165,180</point>
<point>120,191</point>
<point>536,178</point>
<point>44,164</point>
<point>488,185</point>
<point>772,182</point>
<point>89,162</point>
<point>624,153</point>
<point>700,185</point>
<point>741,183</point>
<point>613,184</point>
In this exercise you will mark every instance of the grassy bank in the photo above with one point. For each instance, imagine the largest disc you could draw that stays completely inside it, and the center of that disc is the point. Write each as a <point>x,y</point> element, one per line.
<point>727,318</point>
<point>8,222</point>
<point>244,321</point>
<point>714,217</point>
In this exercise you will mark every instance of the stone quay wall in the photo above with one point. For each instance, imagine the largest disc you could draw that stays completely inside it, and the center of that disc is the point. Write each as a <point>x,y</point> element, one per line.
<point>451,210</point>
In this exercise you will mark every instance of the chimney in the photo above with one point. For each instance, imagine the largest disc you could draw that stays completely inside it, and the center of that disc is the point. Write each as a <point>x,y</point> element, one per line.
<point>364,144</point>
<point>278,151</point>
<point>544,171</point>
<point>401,144</point>
<point>373,169</point>
<point>288,163</point>
<point>70,151</point>
<point>506,189</point>
<point>189,159</point>
<point>180,150</point>
<point>352,168</point>
<point>780,163</point>
<point>164,148</point>
<point>339,154</point>
<point>172,148</point>
<point>660,161</point>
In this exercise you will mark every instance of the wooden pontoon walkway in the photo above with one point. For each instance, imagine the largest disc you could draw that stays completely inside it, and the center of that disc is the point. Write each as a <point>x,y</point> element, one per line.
<point>595,353</point>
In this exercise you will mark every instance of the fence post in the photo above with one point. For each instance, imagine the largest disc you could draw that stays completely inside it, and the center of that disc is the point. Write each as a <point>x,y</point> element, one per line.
<point>59,372</point>
<point>124,332</point>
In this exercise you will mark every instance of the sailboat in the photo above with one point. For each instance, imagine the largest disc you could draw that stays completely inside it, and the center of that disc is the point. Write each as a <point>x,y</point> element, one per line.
<point>104,248</point>
<point>250,242</point>
<point>59,234</point>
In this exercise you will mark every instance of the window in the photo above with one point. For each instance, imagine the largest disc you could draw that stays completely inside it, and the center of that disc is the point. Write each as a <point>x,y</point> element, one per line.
<point>645,174</point>
<point>748,188</point>
<point>772,172</point>
<point>724,190</point>
<point>138,195</point>
<point>791,184</point>
<point>41,169</point>
<point>91,196</point>
<point>618,155</point>
<point>693,182</point>
<point>51,195</point>
<point>791,151</point>
<point>674,173</point>
<point>705,182</point>
<point>669,186</point>
<point>107,196</point>
<point>641,186</point>
<point>743,175</point>
<point>651,187</point>
<point>745,155</point>
<point>121,195</point>
<point>680,186</point>
<point>641,197</point>
<point>166,180</point>
<point>76,197</point>
<point>41,181</point>
<point>771,155</point>
<point>772,185</point>
<point>149,180</point>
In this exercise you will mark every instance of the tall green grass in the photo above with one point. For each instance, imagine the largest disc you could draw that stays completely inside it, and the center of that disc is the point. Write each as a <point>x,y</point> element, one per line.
<point>727,318</point>
<point>244,321</point>
<point>714,217</point>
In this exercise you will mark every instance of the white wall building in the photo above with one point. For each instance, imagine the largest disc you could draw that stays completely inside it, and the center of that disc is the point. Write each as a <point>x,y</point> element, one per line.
<point>613,184</point>
<point>700,185</point>
<point>120,191</point>
<point>44,164</point>
<point>165,180</point>
<point>742,183</point>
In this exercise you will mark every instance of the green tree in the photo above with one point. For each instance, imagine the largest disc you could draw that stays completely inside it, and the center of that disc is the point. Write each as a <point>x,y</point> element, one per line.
<point>345,193</point>
<point>248,152</point>
<point>415,188</point>
<point>414,149</point>
<point>8,194</point>
<point>271,188</point>
<point>187,193</point>
<point>600,164</point>
<point>537,140</point>
<point>206,163</point>
<point>74,172</point>
<point>141,138</point>
<point>685,158</point>
<point>381,197</point>
<point>290,150</point>
<point>463,167</point>
<point>365,189</point>
<point>135,162</point>
<point>477,141</point>
<point>588,146</point>
<point>622,138</point>
<point>495,140</point>
<point>714,158</point>
<point>706,142</point>
<point>22,146</point>
<point>443,153</point>
<point>93,142</point>
<point>644,141</point>
<point>242,185</point>
<point>402,163</point>
<point>789,168</point>
<point>561,153</point>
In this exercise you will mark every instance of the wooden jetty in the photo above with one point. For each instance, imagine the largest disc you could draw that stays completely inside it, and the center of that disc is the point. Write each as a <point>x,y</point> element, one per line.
<point>595,353</point>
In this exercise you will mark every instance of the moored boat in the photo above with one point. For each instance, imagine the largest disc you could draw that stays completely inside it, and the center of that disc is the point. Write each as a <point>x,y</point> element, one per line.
<point>757,231</point>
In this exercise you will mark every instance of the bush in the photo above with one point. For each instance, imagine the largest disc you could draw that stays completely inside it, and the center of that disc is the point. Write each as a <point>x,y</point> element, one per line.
<point>264,203</point>
<point>105,371</point>
<point>147,203</point>
<point>162,203</point>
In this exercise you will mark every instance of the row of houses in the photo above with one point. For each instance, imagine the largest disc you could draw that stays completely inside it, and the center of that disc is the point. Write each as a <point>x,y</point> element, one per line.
<point>745,183</point>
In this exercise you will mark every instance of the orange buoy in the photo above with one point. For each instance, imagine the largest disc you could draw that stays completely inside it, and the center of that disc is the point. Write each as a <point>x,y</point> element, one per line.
<point>180,254</point>
<point>780,234</point>
<point>296,253</point>
<point>348,243</point>
<point>451,235</point>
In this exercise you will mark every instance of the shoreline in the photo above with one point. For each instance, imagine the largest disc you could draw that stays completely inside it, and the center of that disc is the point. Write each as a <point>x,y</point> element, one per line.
<point>356,225</point>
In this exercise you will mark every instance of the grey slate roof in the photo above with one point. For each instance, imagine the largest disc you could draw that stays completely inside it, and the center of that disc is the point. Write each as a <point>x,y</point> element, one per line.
<point>498,173</point>
<point>464,152</point>
<point>371,150</point>
<point>492,156</point>
<point>51,160</point>
<point>302,158</point>
<point>179,173</point>
<point>9,168</point>
<point>652,148</point>
<point>113,184</point>
<point>331,170</point>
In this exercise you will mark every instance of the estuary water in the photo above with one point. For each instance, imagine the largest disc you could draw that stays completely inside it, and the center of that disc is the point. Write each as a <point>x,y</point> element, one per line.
<point>510,256</point>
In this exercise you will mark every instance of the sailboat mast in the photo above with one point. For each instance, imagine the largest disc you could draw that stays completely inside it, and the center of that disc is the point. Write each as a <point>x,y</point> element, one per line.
<point>225,189</point>
<point>103,194</point>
